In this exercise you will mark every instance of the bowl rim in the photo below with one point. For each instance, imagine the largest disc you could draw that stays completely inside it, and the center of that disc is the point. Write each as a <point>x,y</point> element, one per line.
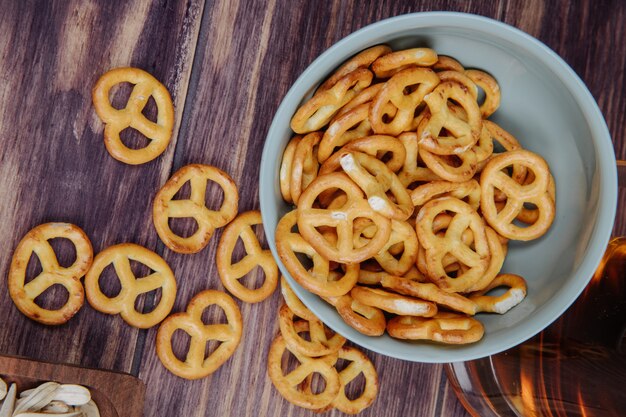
<point>607,172</point>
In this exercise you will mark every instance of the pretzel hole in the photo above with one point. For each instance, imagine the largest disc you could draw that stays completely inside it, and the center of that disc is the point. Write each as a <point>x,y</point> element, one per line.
<point>214,196</point>
<point>210,347</point>
<point>147,302</point>
<point>354,389</point>
<point>139,269</point>
<point>133,139</point>
<point>64,250</point>
<point>150,110</point>
<point>183,226</point>
<point>214,316</point>
<point>184,192</point>
<point>317,384</point>
<point>288,362</point>
<point>33,268</point>
<point>119,95</point>
<point>53,298</point>
<point>305,335</point>
<point>109,282</point>
<point>254,279</point>
<point>181,341</point>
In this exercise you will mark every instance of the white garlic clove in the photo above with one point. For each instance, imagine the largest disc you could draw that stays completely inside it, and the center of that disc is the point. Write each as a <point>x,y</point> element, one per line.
<point>37,399</point>
<point>3,389</point>
<point>72,394</point>
<point>57,407</point>
<point>8,405</point>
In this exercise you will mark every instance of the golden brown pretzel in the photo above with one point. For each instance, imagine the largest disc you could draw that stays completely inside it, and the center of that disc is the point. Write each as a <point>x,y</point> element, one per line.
<point>131,287</point>
<point>341,218</point>
<point>537,193</point>
<point>462,79</point>
<point>145,86</point>
<point>502,303</point>
<point>389,64</point>
<point>319,109</point>
<point>322,340</point>
<point>447,63</point>
<point>230,273</point>
<point>360,364</point>
<point>36,242</point>
<point>377,180</point>
<point>165,207</point>
<point>394,94</point>
<point>491,89</point>
<point>413,169</point>
<point>293,302</point>
<point>196,364</point>
<point>444,327</point>
<point>461,190</point>
<point>304,166</point>
<point>318,280</point>
<point>476,257</point>
<point>344,128</point>
<point>285,168</point>
<point>463,132</point>
<point>364,96</point>
<point>393,303</point>
<point>429,292</point>
<point>363,318</point>
<point>361,60</point>
<point>288,385</point>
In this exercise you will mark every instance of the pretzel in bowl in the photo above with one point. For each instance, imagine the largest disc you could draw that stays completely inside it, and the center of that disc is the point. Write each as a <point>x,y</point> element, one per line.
<point>537,193</point>
<point>145,86</point>
<point>285,168</point>
<point>317,278</point>
<point>322,340</point>
<point>390,63</point>
<point>342,219</point>
<point>166,207</point>
<point>196,364</point>
<point>131,287</point>
<point>36,241</point>
<point>502,303</point>
<point>305,165</point>
<point>230,273</point>
<point>445,327</point>
<point>393,303</point>
<point>361,60</point>
<point>361,317</point>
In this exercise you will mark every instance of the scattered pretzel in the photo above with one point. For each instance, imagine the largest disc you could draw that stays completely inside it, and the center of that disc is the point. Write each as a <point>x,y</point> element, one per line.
<point>131,287</point>
<point>322,341</point>
<point>166,207</point>
<point>230,273</point>
<point>145,86</point>
<point>24,294</point>
<point>196,364</point>
<point>445,327</point>
<point>360,364</point>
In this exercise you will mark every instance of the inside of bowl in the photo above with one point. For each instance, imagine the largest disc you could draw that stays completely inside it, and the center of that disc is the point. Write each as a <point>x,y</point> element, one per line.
<point>540,110</point>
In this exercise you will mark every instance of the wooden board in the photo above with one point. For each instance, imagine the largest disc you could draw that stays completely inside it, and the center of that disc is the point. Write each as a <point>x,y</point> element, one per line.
<point>116,394</point>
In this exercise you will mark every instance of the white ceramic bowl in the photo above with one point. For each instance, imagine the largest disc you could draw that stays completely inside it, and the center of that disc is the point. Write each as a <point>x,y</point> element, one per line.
<point>550,111</point>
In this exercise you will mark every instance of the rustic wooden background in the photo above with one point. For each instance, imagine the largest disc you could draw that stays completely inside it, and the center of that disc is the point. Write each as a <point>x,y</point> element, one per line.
<point>227,64</point>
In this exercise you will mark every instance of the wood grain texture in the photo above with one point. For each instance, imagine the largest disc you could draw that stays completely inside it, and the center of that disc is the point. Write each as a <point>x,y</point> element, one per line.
<point>53,159</point>
<point>245,56</point>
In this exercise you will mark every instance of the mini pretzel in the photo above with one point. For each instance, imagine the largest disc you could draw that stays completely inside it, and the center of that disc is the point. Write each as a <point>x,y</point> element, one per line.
<point>517,194</point>
<point>393,303</point>
<point>293,302</point>
<point>317,111</point>
<point>464,133</point>
<point>429,292</point>
<point>343,129</point>
<point>165,207</point>
<point>361,317</point>
<point>376,180</point>
<point>322,341</point>
<point>394,93</point>
<point>318,279</point>
<point>304,166</point>
<point>285,168</point>
<point>402,233</point>
<point>491,89</point>
<point>476,257</point>
<point>342,219</point>
<point>360,364</point>
<point>461,190</point>
<point>361,60</point>
<point>444,327</point>
<point>389,64</point>
<point>288,384</point>
<point>364,96</point>
<point>24,294</point>
<point>503,303</point>
<point>124,303</point>
<point>447,63</point>
<point>462,79</point>
<point>196,364</point>
<point>497,249</point>
<point>241,228</point>
<point>115,121</point>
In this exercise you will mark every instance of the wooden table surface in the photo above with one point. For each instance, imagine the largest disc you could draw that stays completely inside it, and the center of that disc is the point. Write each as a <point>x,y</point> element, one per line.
<point>227,65</point>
